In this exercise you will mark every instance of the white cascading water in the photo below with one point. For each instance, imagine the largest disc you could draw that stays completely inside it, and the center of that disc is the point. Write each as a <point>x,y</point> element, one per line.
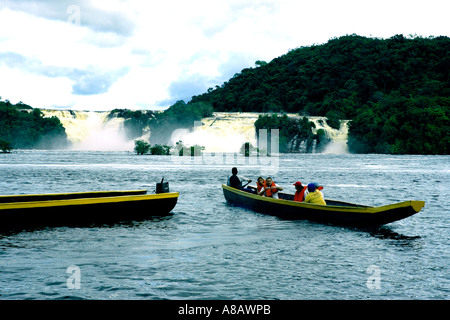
<point>228,131</point>
<point>223,132</point>
<point>338,144</point>
<point>93,130</point>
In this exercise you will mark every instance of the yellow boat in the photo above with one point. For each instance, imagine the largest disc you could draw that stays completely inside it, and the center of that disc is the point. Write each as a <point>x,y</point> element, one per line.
<point>335,212</point>
<point>81,207</point>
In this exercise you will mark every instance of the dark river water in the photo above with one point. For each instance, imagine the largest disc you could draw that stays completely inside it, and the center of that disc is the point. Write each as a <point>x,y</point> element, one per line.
<point>206,249</point>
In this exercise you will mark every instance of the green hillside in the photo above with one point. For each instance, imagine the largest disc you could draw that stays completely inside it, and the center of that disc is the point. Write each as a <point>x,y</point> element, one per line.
<point>395,91</point>
<point>23,127</point>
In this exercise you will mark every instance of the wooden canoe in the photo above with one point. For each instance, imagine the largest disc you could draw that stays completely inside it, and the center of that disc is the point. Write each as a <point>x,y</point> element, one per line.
<point>335,212</point>
<point>81,207</point>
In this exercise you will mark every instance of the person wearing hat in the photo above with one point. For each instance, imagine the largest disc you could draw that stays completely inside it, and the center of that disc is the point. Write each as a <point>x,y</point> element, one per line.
<point>300,191</point>
<point>314,195</point>
<point>318,187</point>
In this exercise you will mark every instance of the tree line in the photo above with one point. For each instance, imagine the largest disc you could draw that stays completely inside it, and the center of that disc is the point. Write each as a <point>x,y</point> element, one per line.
<point>24,127</point>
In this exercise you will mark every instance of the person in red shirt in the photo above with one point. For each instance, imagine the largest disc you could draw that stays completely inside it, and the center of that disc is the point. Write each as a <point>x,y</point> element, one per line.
<point>300,192</point>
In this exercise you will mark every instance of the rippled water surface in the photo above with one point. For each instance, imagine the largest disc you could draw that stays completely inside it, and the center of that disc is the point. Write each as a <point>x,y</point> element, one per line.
<point>208,250</point>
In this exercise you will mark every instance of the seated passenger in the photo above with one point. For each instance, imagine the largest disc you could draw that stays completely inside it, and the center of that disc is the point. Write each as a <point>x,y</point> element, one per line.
<point>314,196</point>
<point>319,187</point>
<point>235,182</point>
<point>300,192</point>
<point>260,184</point>
<point>270,189</point>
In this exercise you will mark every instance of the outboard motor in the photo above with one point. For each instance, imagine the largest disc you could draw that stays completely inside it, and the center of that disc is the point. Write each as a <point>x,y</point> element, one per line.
<point>162,187</point>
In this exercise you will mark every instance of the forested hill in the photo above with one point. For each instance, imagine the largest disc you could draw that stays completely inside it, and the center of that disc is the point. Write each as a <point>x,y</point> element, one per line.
<point>396,91</point>
<point>21,126</point>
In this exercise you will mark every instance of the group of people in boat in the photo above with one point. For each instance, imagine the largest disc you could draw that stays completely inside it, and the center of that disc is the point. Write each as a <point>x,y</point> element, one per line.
<point>267,188</point>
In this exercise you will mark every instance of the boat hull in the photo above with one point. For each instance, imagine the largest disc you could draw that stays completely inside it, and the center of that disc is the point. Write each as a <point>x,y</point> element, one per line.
<point>339,213</point>
<point>81,208</point>
<point>67,196</point>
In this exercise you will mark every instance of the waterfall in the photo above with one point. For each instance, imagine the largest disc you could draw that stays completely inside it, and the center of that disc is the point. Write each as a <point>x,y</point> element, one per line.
<point>93,130</point>
<point>338,137</point>
<point>228,131</point>
<point>223,132</point>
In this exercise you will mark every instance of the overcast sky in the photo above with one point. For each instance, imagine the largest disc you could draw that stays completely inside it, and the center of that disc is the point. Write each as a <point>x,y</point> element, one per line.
<point>145,54</point>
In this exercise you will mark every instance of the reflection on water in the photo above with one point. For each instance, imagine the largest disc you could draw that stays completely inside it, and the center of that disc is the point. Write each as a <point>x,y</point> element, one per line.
<point>384,232</point>
<point>114,223</point>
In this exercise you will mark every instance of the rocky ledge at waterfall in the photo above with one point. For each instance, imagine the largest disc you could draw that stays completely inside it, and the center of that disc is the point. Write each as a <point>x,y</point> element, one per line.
<point>301,134</point>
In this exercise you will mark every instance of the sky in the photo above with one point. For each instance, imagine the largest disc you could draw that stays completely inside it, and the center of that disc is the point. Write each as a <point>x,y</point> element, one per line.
<point>146,54</point>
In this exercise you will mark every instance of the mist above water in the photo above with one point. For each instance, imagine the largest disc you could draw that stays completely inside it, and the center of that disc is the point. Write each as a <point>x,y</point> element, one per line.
<point>338,137</point>
<point>222,132</point>
<point>104,134</point>
<point>94,131</point>
<point>228,131</point>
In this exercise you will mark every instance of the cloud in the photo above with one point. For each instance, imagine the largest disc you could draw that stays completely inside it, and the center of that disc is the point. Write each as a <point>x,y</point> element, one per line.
<point>94,82</point>
<point>12,59</point>
<point>84,12</point>
<point>205,70</point>
<point>86,82</point>
<point>17,61</point>
<point>149,54</point>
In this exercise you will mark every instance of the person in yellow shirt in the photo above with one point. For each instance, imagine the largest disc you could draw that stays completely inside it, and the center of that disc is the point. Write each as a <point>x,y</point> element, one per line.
<point>314,196</point>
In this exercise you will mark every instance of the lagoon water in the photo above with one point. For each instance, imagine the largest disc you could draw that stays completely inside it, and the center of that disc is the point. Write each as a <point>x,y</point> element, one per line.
<point>206,249</point>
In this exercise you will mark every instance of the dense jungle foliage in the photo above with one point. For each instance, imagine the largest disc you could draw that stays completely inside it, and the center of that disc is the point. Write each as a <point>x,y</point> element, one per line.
<point>23,127</point>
